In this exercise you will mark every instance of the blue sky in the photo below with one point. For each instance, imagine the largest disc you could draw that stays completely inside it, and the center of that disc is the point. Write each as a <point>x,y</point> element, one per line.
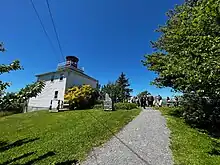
<point>108,36</point>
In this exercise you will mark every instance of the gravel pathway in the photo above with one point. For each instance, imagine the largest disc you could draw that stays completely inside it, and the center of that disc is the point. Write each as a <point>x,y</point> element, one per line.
<point>144,141</point>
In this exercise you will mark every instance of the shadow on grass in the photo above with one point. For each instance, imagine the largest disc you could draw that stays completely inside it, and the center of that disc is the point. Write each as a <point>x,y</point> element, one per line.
<point>3,143</point>
<point>4,146</point>
<point>44,156</point>
<point>33,161</point>
<point>17,158</point>
<point>215,151</point>
<point>68,162</point>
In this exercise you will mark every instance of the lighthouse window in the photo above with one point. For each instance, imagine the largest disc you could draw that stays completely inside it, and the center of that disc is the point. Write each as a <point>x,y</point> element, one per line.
<point>61,76</point>
<point>56,94</point>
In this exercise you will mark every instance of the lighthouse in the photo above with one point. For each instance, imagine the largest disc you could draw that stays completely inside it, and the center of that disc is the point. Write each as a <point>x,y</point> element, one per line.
<point>67,75</point>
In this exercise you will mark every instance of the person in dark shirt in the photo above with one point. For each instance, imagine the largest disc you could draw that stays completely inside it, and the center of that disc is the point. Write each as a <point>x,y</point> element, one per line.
<point>137,100</point>
<point>168,101</point>
<point>160,100</point>
<point>176,101</point>
<point>150,100</point>
<point>143,101</point>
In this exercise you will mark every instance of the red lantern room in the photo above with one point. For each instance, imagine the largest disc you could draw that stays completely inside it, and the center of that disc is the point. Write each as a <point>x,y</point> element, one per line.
<point>72,61</point>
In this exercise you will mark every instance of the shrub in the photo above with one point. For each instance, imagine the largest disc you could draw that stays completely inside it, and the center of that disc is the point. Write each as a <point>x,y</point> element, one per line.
<point>6,113</point>
<point>172,111</point>
<point>18,102</point>
<point>81,97</point>
<point>99,102</point>
<point>98,106</point>
<point>10,103</point>
<point>201,112</point>
<point>125,106</point>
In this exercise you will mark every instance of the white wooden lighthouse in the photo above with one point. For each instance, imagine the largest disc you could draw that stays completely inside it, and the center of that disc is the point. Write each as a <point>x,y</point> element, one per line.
<point>68,74</point>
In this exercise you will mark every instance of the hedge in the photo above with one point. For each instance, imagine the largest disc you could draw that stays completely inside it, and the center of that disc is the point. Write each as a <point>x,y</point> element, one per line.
<point>125,106</point>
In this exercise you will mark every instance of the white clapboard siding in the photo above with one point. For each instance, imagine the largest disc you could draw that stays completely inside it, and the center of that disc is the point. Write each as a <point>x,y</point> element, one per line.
<point>71,78</point>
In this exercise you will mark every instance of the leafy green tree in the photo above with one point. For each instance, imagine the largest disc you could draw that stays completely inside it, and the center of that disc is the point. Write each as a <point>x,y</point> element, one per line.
<point>31,90</point>
<point>187,53</point>
<point>124,90</point>
<point>15,65</point>
<point>187,58</point>
<point>8,102</point>
<point>191,2</point>
<point>16,101</point>
<point>144,93</point>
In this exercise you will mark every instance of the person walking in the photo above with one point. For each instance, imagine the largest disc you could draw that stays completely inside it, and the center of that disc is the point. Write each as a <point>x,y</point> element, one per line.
<point>160,101</point>
<point>176,101</point>
<point>147,100</point>
<point>155,103</point>
<point>143,102</point>
<point>131,100</point>
<point>168,101</point>
<point>150,100</point>
<point>137,101</point>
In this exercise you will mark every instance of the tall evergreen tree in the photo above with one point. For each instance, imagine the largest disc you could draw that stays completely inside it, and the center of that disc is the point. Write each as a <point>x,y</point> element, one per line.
<point>124,90</point>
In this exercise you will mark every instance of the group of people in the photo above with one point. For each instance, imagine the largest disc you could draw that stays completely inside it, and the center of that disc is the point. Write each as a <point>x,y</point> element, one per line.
<point>147,101</point>
<point>174,101</point>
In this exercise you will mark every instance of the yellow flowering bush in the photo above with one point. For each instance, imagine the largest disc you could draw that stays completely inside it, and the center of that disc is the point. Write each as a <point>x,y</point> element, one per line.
<point>80,97</point>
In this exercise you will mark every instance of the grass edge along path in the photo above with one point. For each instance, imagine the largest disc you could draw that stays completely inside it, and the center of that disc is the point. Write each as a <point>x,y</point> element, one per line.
<point>189,145</point>
<point>51,138</point>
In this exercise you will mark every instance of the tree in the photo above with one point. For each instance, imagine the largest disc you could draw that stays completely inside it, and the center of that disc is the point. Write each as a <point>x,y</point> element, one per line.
<point>16,101</point>
<point>8,102</point>
<point>112,89</point>
<point>124,90</point>
<point>119,91</point>
<point>187,58</point>
<point>187,53</point>
<point>191,3</point>
<point>31,90</point>
<point>144,93</point>
<point>15,65</point>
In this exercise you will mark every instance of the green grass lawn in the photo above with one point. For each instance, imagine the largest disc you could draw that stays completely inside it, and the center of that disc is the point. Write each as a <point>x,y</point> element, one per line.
<point>190,146</point>
<point>49,138</point>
